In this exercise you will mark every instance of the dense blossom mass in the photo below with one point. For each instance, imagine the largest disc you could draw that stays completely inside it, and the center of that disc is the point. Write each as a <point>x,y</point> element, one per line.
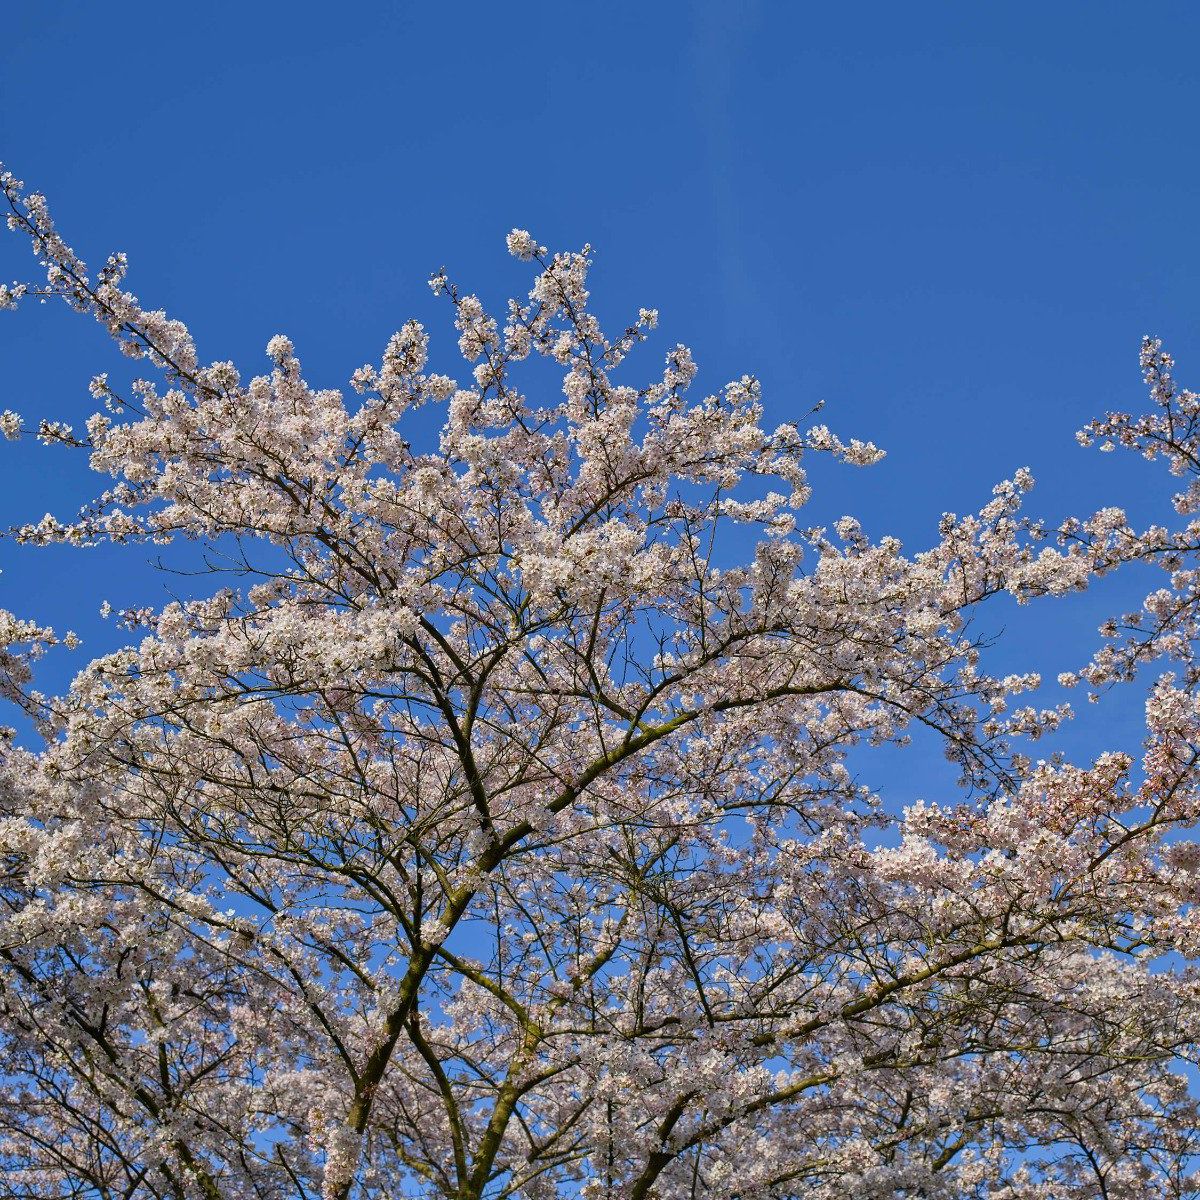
<point>495,834</point>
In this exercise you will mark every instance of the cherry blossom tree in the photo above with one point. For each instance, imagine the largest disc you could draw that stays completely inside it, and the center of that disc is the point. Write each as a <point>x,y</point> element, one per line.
<point>496,832</point>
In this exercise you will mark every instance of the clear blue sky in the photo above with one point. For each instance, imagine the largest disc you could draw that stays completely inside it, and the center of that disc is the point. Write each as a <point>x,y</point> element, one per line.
<point>950,221</point>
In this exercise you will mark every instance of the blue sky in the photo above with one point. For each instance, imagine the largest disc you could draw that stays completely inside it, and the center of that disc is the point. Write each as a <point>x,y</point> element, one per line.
<point>951,222</point>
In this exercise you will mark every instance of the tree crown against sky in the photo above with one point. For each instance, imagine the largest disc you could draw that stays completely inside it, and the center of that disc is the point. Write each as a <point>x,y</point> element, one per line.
<point>488,828</point>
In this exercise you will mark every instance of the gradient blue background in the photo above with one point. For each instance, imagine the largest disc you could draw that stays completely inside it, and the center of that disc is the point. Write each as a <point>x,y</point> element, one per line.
<point>951,222</point>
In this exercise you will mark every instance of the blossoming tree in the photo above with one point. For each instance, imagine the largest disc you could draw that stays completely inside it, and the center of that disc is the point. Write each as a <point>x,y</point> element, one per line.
<point>495,836</point>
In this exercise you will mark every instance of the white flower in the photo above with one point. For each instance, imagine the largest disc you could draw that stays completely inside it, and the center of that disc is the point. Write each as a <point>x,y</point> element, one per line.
<point>280,349</point>
<point>521,245</point>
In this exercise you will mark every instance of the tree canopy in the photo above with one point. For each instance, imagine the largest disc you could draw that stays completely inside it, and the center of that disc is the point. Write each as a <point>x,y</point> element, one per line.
<point>491,829</point>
